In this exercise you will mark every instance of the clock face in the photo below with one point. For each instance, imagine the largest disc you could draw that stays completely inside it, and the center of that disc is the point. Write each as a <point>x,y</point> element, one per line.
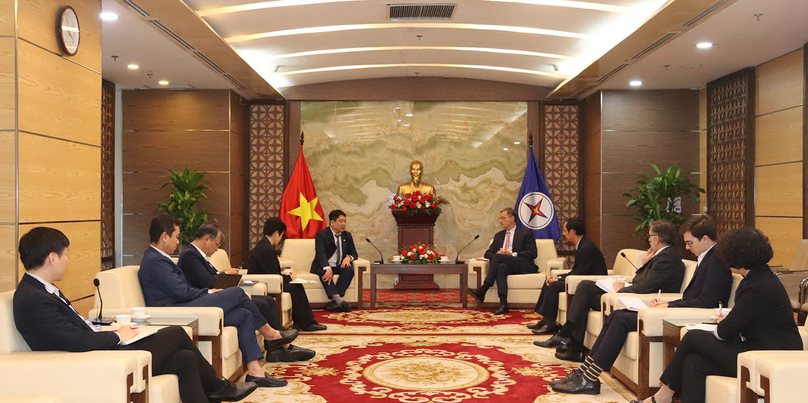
<point>69,31</point>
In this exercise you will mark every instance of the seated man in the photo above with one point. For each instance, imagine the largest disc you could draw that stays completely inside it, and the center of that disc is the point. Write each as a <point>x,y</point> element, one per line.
<point>512,252</point>
<point>711,284</point>
<point>334,251</point>
<point>264,260</point>
<point>47,322</point>
<point>662,270</point>
<point>201,274</point>
<point>588,261</point>
<point>164,284</point>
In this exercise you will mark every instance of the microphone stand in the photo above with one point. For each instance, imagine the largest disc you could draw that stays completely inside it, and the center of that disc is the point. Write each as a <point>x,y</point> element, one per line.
<point>381,255</point>
<point>457,258</point>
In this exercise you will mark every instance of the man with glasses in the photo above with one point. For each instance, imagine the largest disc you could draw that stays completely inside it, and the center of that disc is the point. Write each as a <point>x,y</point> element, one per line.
<point>662,269</point>
<point>710,285</point>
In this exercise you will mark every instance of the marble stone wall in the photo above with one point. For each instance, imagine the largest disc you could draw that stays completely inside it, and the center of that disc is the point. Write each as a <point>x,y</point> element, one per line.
<point>474,153</point>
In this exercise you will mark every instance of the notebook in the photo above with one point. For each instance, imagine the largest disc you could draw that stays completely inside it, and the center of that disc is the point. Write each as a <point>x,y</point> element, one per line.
<point>227,280</point>
<point>140,336</point>
<point>632,303</point>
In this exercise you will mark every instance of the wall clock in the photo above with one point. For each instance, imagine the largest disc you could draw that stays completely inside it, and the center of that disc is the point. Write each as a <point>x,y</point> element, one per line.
<point>68,30</point>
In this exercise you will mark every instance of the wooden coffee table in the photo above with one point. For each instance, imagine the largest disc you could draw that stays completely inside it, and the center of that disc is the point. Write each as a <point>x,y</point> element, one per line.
<point>671,337</point>
<point>399,268</point>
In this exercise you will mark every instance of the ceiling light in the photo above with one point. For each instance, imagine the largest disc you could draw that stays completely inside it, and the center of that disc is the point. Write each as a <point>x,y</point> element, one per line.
<point>517,142</point>
<point>635,83</point>
<point>408,115</point>
<point>704,45</point>
<point>163,82</point>
<point>505,149</point>
<point>109,16</point>
<point>570,4</point>
<point>397,48</point>
<point>133,66</point>
<point>460,66</point>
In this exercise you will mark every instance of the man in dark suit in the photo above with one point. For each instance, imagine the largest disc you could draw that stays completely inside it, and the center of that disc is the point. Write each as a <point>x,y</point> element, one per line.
<point>264,260</point>
<point>47,322</point>
<point>164,284</point>
<point>201,274</point>
<point>711,284</point>
<point>512,252</point>
<point>662,269</point>
<point>588,261</point>
<point>334,253</point>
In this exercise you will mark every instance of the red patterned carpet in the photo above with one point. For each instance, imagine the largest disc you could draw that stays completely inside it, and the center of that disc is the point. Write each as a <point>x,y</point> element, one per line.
<point>442,296</point>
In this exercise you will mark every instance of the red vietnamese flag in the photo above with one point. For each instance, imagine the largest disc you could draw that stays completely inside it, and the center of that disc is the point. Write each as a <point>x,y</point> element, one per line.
<point>300,208</point>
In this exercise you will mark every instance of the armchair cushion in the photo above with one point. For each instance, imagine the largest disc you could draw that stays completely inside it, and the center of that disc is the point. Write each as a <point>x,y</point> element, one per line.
<point>721,389</point>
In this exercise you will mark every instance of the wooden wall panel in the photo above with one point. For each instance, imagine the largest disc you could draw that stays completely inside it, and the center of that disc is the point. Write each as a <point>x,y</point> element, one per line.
<point>58,98</point>
<point>266,175</point>
<point>703,109</point>
<point>7,17</point>
<point>8,257</point>
<point>136,234</point>
<point>158,151</point>
<point>591,165</point>
<point>37,19</point>
<point>636,151</point>
<point>660,110</point>
<point>779,83</point>
<point>784,235</point>
<point>775,190</point>
<point>59,180</point>
<point>239,115</point>
<point>176,110</point>
<point>8,187</point>
<point>7,83</point>
<point>703,148</point>
<point>84,254</point>
<point>617,230</point>
<point>778,137</point>
<point>142,192</point>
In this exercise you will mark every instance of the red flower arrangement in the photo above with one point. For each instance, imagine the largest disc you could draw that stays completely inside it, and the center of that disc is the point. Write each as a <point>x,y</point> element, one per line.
<point>420,254</point>
<point>413,203</point>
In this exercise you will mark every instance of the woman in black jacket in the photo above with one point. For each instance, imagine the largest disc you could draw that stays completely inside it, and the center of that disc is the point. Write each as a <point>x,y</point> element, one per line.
<point>760,320</point>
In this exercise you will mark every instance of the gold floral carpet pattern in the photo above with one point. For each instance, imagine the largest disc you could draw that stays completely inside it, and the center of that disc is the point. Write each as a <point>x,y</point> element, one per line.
<point>389,355</point>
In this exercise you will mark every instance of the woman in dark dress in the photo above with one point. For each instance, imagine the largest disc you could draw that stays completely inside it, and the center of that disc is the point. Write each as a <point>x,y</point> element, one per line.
<point>761,319</point>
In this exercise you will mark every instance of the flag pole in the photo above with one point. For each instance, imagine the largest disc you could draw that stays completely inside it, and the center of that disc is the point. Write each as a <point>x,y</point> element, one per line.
<point>301,138</point>
<point>530,139</point>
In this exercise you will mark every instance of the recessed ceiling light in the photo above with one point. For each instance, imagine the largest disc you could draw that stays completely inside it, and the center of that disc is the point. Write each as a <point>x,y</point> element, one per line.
<point>635,83</point>
<point>133,66</point>
<point>505,149</point>
<point>517,142</point>
<point>163,82</point>
<point>109,16</point>
<point>704,45</point>
<point>408,115</point>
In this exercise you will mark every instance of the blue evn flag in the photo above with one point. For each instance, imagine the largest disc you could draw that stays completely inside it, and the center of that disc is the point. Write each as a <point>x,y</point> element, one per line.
<point>534,208</point>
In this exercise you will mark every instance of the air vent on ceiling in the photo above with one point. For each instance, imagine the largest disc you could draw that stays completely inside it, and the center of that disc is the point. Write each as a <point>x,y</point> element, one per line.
<point>137,9</point>
<point>706,12</point>
<point>611,73</point>
<point>414,11</point>
<point>654,45</point>
<point>583,91</point>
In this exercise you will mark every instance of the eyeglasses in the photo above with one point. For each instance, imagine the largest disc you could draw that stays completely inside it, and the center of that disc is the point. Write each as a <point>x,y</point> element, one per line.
<point>690,243</point>
<point>652,235</point>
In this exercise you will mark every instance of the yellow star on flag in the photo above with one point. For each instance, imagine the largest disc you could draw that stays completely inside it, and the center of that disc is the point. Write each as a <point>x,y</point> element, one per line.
<point>306,211</point>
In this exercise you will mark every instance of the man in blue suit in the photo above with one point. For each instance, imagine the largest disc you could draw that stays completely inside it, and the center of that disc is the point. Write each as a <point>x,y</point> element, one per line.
<point>334,255</point>
<point>164,284</point>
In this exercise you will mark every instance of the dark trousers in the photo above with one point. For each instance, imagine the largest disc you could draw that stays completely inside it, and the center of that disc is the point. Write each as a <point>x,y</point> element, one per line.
<point>269,310</point>
<point>700,354</point>
<point>240,313</point>
<point>547,305</point>
<point>612,337</point>
<point>301,309</point>
<point>500,267</point>
<point>346,274</point>
<point>586,298</point>
<point>173,352</point>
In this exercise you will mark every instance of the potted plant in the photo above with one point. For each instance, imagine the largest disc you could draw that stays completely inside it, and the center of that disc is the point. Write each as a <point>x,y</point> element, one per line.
<point>189,188</point>
<point>660,197</point>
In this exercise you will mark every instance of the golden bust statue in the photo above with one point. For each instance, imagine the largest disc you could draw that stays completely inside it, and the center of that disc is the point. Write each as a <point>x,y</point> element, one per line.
<point>416,169</point>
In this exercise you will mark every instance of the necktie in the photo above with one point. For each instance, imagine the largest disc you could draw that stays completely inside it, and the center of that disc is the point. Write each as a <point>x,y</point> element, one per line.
<point>507,240</point>
<point>339,249</point>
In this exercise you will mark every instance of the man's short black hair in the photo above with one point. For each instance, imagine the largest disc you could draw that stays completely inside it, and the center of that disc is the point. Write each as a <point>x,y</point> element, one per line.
<point>744,248</point>
<point>38,243</point>
<point>162,223</point>
<point>576,224</point>
<point>334,215</point>
<point>211,230</point>
<point>273,225</point>
<point>509,211</point>
<point>699,226</point>
<point>665,230</point>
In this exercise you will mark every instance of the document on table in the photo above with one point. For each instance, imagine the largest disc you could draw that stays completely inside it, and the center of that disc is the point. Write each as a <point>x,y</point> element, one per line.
<point>300,281</point>
<point>701,326</point>
<point>632,303</point>
<point>606,284</point>
<point>140,336</point>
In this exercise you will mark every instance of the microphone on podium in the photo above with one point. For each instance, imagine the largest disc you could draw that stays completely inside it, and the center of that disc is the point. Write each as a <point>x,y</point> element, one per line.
<point>623,254</point>
<point>381,255</point>
<point>99,320</point>
<point>457,258</point>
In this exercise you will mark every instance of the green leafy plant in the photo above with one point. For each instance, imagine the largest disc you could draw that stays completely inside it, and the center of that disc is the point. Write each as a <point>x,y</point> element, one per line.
<point>655,197</point>
<point>189,188</point>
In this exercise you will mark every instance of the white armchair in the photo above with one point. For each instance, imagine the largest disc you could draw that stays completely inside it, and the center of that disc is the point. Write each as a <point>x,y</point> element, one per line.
<point>120,290</point>
<point>523,289</point>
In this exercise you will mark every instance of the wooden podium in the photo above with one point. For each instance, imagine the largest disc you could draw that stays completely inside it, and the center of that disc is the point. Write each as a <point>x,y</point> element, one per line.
<point>417,228</point>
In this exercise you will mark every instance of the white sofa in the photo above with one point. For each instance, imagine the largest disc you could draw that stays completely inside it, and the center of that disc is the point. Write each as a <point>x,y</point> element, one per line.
<point>88,377</point>
<point>523,289</point>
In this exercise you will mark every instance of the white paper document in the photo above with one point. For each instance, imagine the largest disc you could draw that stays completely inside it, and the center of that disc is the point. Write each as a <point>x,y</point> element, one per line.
<point>701,326</point>
<point>140,336</point>
<point>632,303</point>
<point>606,284</point>
<point>300,281</point>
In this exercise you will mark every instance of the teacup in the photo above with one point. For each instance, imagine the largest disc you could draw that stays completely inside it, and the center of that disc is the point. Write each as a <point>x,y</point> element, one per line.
<point>444,258</point>
<point>138,312</point>
<point>397,258</point>
<point>123,319</point>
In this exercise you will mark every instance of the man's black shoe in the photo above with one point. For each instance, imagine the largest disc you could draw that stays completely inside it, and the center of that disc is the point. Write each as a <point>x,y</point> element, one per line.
<point>346,307</point>
<point>534,326</point>
<point>291,354</point>
<point>554,342</point>
<point>578,385</point>
<point>571,354</point>
<point>333,306</point>
<point>266,381</point>
<point>313,327</point>
<point>565,379</point>
<point>547,329</point>
<point>232,392</point>
<point>475,293</point>
<point>503,309</point>
<point>287,336</point>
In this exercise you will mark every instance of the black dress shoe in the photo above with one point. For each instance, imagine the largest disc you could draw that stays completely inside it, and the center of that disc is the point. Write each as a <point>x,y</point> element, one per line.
<point>287,336</point>
<point>266,381</point>
<point>565,379</point>
<point>578,385</point>
<point>313,327</point>
<point>333,306</point>
<point>554,342</point>
<point>291,354</point>
<point>346,307</point>
<point>476,294</point>
<point>232,392</point>
<point>534,326</point>
<point>571,354</point>
<point>503,309</point>
<point>547,329</point>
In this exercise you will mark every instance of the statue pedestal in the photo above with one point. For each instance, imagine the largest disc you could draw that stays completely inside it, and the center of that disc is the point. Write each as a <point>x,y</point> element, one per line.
<point>417,228</point>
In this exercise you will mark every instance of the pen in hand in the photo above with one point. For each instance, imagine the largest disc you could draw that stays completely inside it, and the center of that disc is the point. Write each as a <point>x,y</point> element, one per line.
<point>659,296</point>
